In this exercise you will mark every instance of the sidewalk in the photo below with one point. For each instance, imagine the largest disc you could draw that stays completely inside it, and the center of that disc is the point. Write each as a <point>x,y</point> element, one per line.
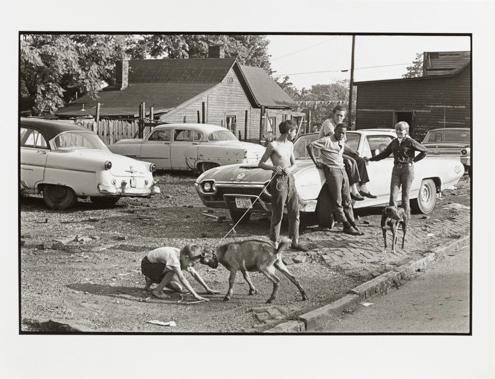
<point>437,301</point>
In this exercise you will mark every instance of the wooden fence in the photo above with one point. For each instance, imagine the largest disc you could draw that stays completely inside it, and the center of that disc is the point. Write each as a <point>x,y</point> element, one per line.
<point>110,131</point>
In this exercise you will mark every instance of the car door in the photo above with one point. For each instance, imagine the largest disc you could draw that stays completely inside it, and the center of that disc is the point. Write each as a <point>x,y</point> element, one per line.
<point>156,148</point>
<point>34,150</point>
<point>183,153</point>
<point>379,172</point>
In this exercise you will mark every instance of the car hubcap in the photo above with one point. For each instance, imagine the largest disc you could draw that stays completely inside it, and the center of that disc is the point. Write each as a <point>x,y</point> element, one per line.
<point>425,195</point>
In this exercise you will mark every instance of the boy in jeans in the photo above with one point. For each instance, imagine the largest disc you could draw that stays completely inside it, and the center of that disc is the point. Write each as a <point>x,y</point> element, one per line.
<point>282,187</point>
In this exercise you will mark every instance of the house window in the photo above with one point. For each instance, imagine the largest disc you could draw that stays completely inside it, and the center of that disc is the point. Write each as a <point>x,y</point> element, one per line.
<point>231,124</point>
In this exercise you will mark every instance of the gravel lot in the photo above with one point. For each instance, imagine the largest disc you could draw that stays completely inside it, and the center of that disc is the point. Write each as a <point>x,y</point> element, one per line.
<point>82,266</point>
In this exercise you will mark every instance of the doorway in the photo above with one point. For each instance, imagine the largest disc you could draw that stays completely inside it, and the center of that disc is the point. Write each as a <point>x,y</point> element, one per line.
<point>407,117</point>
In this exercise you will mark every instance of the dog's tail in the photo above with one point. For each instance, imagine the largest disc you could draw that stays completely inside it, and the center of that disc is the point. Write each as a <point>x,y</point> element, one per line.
<point>282,245</point>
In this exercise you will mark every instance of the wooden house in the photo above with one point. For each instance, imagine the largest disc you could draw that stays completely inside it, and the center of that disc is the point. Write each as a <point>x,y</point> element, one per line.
<point>439,98</point>
<point>214,90</point>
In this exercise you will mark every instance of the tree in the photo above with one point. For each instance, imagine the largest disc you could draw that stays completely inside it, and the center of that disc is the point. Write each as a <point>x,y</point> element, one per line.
<point>247,49</point>
<point>57,67</point>
<point>416,68</point>
<point>288,87</point>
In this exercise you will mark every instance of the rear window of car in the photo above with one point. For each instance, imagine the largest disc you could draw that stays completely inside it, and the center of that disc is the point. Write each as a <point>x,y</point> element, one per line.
<point>377,144</point>
<point>78,140</point>
<point>222,135</point>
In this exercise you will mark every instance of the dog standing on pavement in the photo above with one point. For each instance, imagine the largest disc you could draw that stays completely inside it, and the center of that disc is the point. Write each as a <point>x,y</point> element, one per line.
<point>393,217</point>
<point>255,255</point>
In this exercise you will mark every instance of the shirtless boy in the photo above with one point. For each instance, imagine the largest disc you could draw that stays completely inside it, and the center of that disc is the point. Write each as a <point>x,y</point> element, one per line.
<point>282,186</point>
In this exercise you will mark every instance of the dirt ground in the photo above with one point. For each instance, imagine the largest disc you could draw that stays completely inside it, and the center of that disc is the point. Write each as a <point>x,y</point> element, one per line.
<point>82,267</point>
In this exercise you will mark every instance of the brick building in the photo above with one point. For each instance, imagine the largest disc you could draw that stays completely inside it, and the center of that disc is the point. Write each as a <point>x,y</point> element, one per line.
<point>214,90</point>
<point>439,98</point>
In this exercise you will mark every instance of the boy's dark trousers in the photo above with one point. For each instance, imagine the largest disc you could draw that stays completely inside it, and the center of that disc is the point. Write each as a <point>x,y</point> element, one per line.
<point>283,189</point>
<point>340,197</point>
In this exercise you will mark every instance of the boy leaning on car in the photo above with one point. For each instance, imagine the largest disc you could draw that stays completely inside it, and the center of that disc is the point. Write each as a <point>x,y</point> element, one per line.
<point>404,149</point>
<point>282,186</point>
<point>332,163</point>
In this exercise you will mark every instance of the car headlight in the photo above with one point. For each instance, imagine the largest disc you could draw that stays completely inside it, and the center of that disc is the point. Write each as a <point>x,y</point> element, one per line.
<point>107,165</point>
<point>465,151</point>
<point>208,186</point>
<point>152,167</point>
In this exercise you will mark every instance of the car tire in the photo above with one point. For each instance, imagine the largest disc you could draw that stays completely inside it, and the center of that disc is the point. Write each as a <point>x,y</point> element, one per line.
<point>236,214</point>
<point>427,197</point>
<point>206,166</point>
<point>323,213</point>
<point>104,202</point>
<point>59,197</point>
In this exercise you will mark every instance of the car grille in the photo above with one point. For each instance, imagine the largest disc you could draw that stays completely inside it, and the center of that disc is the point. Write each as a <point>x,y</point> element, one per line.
<point>233,190</point>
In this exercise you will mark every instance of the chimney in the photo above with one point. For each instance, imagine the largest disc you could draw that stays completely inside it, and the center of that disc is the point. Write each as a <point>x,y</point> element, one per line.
<point>216,51</point>
<point>122,74</point>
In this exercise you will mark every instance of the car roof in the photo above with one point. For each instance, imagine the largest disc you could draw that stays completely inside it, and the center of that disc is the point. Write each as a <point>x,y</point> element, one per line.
<point>199,127</point>
<point>50,128</point>
<point>449,129</point>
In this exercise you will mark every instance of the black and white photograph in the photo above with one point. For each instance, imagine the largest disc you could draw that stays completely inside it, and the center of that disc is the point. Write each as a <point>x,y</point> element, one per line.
<point>295,197</point>
<point>271,186</point>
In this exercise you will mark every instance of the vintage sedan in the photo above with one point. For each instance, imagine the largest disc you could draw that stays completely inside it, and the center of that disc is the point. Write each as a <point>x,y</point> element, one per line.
<point>450,141</point>
<point>64,161</point>
<point>196,147</point>
<point>235,187</point>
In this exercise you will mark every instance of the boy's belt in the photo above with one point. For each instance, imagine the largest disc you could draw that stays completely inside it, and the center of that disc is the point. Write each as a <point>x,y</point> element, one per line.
<point>405,164</point>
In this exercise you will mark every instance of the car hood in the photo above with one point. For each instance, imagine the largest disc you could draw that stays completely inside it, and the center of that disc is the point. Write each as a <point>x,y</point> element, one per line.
<point>238,144</point>
<point>240,173</point>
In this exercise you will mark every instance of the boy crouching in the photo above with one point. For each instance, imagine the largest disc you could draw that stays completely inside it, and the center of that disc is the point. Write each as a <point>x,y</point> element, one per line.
<point>164,266</point>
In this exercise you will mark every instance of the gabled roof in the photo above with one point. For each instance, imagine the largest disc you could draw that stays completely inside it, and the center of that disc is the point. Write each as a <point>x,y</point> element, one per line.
<point>163,83</point>
<point>264,90</point>
<point>163,97</point>
<point>167,83</point>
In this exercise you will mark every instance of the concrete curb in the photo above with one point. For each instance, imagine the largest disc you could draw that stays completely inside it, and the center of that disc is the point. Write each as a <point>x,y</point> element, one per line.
<point>315,319</point>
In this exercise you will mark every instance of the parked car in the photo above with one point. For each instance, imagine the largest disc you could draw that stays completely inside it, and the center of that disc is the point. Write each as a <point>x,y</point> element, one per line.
<point>450,141</point>
<point>234,187</point>
<point>64,161</point>
<point>196,147</point>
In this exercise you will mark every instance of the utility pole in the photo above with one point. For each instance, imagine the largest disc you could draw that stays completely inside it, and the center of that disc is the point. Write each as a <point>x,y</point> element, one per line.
<point>351,83</point>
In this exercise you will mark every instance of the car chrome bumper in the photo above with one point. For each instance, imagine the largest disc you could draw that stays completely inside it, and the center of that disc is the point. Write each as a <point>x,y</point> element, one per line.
<point>128,191</point>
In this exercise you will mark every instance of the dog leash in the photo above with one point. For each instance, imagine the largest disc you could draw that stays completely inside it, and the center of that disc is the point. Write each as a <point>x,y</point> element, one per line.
<point>247,210</point>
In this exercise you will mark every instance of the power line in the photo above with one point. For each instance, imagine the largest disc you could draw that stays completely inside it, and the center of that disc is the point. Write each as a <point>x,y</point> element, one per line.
<point>303,49</point>
<point>345,70</point>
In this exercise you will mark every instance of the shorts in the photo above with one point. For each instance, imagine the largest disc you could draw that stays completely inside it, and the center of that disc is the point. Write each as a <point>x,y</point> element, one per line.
<point>153,271</point>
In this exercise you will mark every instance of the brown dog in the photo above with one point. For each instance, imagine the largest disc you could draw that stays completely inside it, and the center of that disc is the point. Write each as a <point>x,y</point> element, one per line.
<point>392,217</point>
<point>255,255</point>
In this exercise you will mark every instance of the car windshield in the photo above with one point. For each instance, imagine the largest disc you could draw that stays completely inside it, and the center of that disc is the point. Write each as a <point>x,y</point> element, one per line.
<point>456,136</point>
<point>221,135</point>
<point>300,152</point>
<point>78,140</point>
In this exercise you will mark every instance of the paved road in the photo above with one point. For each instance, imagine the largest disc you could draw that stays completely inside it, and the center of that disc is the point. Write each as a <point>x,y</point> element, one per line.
<point>436,301</point>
